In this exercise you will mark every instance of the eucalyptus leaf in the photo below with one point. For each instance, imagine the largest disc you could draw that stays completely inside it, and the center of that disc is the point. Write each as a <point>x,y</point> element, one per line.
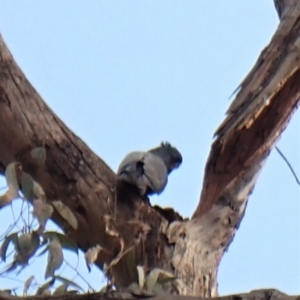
<point>65,241</point>
<point>158,289</point>
<point>61,290</point>
<point>11,178</point>
<point>39,155</point>
<point>158,277</point>
<point>27,285</point>
<point>13,237</point>
<point>151,279</point>
<point>91,256</point>
<point>165,276</point>
<point>55,258</point>
<point>26,246</point>
<point>141,274</point>
<point>38,192</point>
<point>66,213</point>
<point>27,186</point>
<point>8,197</point>
<point>45,288</point>
<point>42,211</point>
<point>68,282</point>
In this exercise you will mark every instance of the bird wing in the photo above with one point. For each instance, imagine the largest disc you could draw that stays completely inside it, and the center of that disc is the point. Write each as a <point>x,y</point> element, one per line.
<point>156,172</point>
<point>130,162</point>
<point>144,170</point>
<point>131,170</point>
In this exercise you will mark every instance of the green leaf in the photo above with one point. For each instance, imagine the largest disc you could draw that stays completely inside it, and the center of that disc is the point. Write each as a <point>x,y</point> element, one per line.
<point>38,192</point>
<point>141,274</point>
<point>26,246</point>
<point>156,278</point>
<point>45,287</point>
<point>39,155</point>
<point>13,237</point>
<point>27,186</point>
<point>158,289</point>
<point>30,188</point>
<point>12,182</point>
<point>27,285</point>
<point>60,290</point>
<point>11,177</point>
<point>165,276</point>
<point>66,213</point>
<point>55,258</point>
<point>42,211</point>
<point>152,279</point>
<point>68,282</point>
<point>91,255</point>
<point>7,198</point>
<point>65,241</point>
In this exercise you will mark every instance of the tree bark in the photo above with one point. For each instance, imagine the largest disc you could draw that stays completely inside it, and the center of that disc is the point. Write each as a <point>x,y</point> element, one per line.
<point>113,215</point>
<point>269,294</point>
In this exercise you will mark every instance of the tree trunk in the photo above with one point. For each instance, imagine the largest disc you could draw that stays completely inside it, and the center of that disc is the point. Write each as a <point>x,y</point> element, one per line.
<point>112,215</point>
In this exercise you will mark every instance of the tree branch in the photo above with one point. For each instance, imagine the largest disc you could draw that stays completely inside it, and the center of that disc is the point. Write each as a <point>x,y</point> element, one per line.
<point>114,216</point>
<point>282,7</point>
<point>258,115</point>
<point>74,175</point>
<point>269,294</point>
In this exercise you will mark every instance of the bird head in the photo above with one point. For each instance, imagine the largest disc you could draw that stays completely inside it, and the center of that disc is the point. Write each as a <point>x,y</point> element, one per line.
<point>169,154</point>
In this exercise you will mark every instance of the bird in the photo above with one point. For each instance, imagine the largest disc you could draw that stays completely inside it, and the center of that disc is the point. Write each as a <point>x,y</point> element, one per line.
<point>148,171</point>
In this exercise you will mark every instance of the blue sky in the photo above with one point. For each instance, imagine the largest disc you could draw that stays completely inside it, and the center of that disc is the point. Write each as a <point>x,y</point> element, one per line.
<point>126,75</point>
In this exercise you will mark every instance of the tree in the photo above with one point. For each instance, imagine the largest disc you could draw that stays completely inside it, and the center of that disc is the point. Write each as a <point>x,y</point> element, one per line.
<point>258,114</point>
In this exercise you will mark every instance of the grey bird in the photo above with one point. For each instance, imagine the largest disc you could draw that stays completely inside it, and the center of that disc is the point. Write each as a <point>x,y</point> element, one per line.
<point>149,171</point>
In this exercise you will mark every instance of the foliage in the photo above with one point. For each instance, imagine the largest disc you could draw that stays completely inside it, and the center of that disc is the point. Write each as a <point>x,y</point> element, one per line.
<point>152,284</point>
<point>27,238</point>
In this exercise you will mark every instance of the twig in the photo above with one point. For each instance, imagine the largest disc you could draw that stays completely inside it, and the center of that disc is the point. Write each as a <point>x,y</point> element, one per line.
<point>289,165</point>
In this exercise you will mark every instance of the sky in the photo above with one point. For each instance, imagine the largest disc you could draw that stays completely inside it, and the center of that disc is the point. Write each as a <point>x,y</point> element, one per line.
<point>127,75</point>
